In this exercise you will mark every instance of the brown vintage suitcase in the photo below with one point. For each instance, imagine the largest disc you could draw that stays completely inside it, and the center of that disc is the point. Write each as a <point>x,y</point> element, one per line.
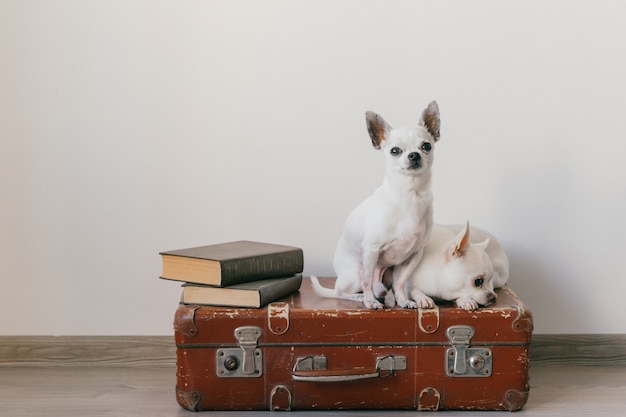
<point>307,352</point>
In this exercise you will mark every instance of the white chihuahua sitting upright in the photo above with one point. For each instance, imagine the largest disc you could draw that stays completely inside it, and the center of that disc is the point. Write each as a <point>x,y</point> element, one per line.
<point>390,228</point>
<point>459,264</point>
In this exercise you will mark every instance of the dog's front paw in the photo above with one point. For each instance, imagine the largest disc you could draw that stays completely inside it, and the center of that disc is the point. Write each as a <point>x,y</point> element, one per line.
<point>405,302</point>
<point>421,300</point>
<point>466,303</point>
<point>425,302</point>
<point>372,303</point>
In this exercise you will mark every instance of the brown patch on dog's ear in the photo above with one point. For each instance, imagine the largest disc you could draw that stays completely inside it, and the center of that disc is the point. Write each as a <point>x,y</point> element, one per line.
<point>377,128</point>
<point>462,242</point>
<point>430,119</point>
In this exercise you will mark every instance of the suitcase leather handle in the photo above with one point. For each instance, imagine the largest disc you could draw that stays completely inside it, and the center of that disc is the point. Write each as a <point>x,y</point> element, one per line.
<point>333,376</point>
<point>388,363</point>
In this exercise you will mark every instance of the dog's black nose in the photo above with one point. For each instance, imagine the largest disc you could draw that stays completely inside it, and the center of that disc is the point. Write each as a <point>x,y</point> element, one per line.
<point>414,156</point>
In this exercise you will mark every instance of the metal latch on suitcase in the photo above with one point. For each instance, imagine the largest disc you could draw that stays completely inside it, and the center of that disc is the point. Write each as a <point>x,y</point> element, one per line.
<point>245,361</point>
<point>463,361</point>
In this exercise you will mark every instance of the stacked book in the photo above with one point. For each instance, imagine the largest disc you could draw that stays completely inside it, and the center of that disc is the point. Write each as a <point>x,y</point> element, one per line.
<point>235,274</point>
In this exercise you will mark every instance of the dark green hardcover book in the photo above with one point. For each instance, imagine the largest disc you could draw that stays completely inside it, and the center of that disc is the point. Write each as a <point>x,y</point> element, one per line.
<point>231,263</point>
<point>248,294</point>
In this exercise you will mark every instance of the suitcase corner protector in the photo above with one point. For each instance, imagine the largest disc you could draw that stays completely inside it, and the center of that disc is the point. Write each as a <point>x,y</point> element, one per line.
<point>514,400</point>
<point>188,400</point>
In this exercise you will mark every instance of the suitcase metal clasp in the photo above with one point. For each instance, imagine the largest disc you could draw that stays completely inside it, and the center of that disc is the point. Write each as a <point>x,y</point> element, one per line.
<point>463,361</point>
<point>246,361</point>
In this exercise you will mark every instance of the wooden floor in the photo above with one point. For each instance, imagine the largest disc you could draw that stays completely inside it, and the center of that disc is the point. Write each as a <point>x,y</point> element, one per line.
<point>563,390</point>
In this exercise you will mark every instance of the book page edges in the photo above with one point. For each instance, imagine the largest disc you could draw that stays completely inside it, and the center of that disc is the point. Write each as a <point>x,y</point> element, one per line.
<point>202,271</point>
<point>218,296</point>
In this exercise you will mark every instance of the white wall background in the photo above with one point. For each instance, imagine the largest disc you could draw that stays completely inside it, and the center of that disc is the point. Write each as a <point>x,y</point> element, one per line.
<point>132,127</point>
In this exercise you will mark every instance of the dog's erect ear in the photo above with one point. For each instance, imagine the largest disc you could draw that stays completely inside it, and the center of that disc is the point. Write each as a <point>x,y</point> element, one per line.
<point>461,242</point>
<point>430,119</point>
<point>483,245</point>
<point>377,128</point>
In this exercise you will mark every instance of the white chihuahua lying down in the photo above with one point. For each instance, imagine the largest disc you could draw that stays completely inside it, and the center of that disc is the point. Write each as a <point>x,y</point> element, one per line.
<point>460,264</point>
<point>391,227</point>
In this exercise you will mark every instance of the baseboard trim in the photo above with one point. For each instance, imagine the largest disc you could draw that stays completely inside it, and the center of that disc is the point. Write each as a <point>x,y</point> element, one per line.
<point>578,349</point>
<point>157,351</point>
<point>87,351</point>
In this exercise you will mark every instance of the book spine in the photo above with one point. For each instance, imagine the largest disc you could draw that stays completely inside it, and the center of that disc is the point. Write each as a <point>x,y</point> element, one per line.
<point>279,290</point>
<point>255,268</point>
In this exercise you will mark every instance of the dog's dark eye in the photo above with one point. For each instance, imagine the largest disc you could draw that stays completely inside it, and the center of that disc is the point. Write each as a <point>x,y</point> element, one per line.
<point>426,146</point>
<point>478,282</point>
<point>395,151</point>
